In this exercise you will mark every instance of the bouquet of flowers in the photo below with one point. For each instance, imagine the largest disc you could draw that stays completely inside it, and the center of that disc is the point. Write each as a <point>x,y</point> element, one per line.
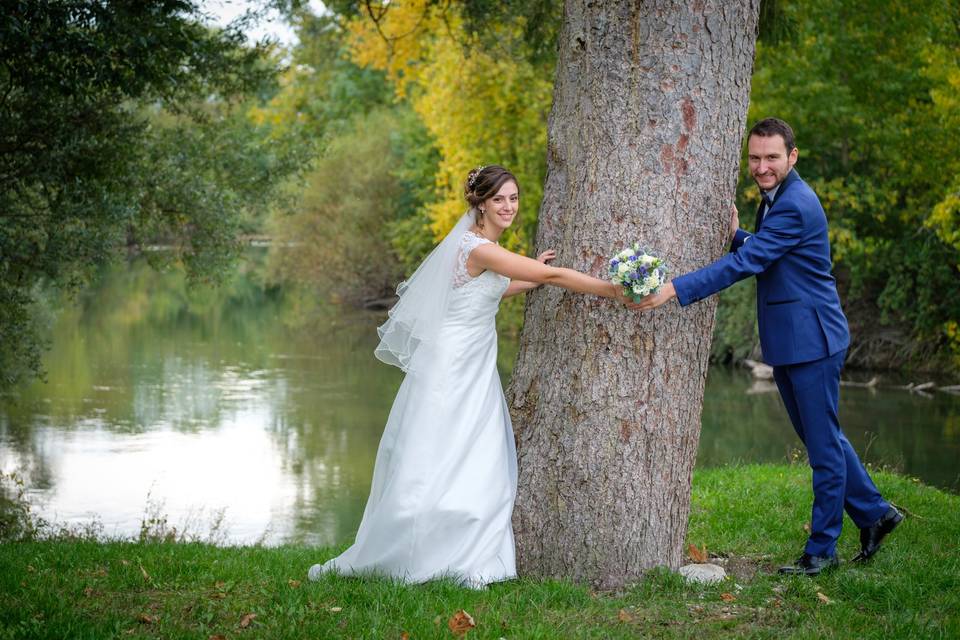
<point>638,272</point>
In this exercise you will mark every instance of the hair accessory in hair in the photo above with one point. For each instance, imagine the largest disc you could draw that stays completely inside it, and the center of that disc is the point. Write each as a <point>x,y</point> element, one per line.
<point>472,176</point>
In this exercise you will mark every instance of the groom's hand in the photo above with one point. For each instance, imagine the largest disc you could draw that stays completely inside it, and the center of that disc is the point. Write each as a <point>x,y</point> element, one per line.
<point>654,300</point>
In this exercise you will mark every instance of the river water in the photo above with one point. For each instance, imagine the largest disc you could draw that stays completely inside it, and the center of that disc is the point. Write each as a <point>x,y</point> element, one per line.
<point>254,406</point>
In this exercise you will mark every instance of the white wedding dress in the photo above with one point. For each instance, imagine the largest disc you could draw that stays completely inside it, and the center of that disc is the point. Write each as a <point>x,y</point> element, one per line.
<point>445,476</point>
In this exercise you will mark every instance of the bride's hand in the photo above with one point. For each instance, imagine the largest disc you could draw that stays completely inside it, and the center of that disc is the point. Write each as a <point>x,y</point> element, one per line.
<point>734,222</point>
<point>547,256</point>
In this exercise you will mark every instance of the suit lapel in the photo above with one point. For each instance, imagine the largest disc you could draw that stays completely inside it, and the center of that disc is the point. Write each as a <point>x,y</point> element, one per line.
<point>793,176</point>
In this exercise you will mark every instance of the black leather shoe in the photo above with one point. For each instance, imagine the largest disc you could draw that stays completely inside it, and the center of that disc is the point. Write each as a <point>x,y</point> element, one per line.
<point>871,537</point>
<point>808,565</point>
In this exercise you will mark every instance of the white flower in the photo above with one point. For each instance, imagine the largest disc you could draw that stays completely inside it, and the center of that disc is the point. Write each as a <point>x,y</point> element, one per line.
<point>651,282</point>
<point>623,268</point>
<point>647,259</point>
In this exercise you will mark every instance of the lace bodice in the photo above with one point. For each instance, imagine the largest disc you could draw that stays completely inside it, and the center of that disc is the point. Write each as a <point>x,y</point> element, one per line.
<point>468,243</point>
<point>487,282</point>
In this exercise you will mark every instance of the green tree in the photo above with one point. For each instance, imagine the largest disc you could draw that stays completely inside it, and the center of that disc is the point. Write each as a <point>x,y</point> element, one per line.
<point>122,125</point>
<point>322,90</point>
<point>338,242</point>
<point>376,151</point>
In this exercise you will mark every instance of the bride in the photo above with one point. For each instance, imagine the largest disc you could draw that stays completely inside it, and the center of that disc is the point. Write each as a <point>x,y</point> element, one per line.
<point>445,476</point>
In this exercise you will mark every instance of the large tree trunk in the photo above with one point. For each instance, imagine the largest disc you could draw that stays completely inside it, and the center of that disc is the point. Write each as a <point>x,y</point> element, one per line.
<point>644,143</point>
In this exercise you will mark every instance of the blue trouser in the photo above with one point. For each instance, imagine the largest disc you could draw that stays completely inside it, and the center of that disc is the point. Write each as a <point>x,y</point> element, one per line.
<point>811,392</point>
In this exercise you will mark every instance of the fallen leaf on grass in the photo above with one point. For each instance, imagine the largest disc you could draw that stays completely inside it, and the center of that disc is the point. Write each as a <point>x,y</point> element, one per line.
<point>124,562</point>
<point>824,599</point>
<point>218,636</point>
<point>461,622</point>
<point>246,620</point>
<point>293,583</point>
<point>145,619</point>
<point>336,609</point>
<point>698,555</point>
<point>728,597</point>
<point>31,569</point>
<point>404,636</point>
<point>806,527</point>
<point>146,576</point>
<point>624,616</point>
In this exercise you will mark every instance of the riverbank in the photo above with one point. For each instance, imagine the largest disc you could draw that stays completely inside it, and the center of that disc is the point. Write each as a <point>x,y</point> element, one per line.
<point>750,518</point>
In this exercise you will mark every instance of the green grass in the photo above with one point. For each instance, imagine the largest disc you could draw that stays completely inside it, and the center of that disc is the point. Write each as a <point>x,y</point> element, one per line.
<point>752,516</point>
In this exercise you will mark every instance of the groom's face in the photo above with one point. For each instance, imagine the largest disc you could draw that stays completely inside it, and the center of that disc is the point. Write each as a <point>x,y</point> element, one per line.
<point>769,161</point>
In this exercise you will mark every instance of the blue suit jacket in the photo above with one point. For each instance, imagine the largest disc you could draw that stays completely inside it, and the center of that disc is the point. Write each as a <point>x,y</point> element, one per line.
<point>798,309</point>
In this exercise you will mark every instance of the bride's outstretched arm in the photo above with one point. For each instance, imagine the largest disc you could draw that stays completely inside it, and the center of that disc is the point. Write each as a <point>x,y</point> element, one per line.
<point>522,286</point>
<point>517,267</point>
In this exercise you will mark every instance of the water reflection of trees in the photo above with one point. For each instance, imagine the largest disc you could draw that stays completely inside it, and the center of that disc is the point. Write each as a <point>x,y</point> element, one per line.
<point>143,352</point>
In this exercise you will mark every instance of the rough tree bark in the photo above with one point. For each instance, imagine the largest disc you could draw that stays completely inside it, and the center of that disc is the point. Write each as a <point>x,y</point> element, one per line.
<point>644,144</point>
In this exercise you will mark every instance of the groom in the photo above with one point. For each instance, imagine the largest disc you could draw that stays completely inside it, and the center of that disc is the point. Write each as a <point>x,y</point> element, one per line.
<point>803,335</point>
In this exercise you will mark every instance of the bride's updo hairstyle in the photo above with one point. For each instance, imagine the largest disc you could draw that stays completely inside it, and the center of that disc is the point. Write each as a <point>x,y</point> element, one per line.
<point>483,183</point>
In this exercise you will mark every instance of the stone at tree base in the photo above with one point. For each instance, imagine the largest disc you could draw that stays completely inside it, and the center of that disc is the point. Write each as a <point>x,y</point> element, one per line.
<point>705,573</point>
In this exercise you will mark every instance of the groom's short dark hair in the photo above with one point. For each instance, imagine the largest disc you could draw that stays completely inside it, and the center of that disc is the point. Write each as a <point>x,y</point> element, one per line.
<point>774,127</point>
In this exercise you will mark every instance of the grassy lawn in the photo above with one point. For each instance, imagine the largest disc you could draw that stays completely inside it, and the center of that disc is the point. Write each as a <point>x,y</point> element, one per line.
<point>751,518</point>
